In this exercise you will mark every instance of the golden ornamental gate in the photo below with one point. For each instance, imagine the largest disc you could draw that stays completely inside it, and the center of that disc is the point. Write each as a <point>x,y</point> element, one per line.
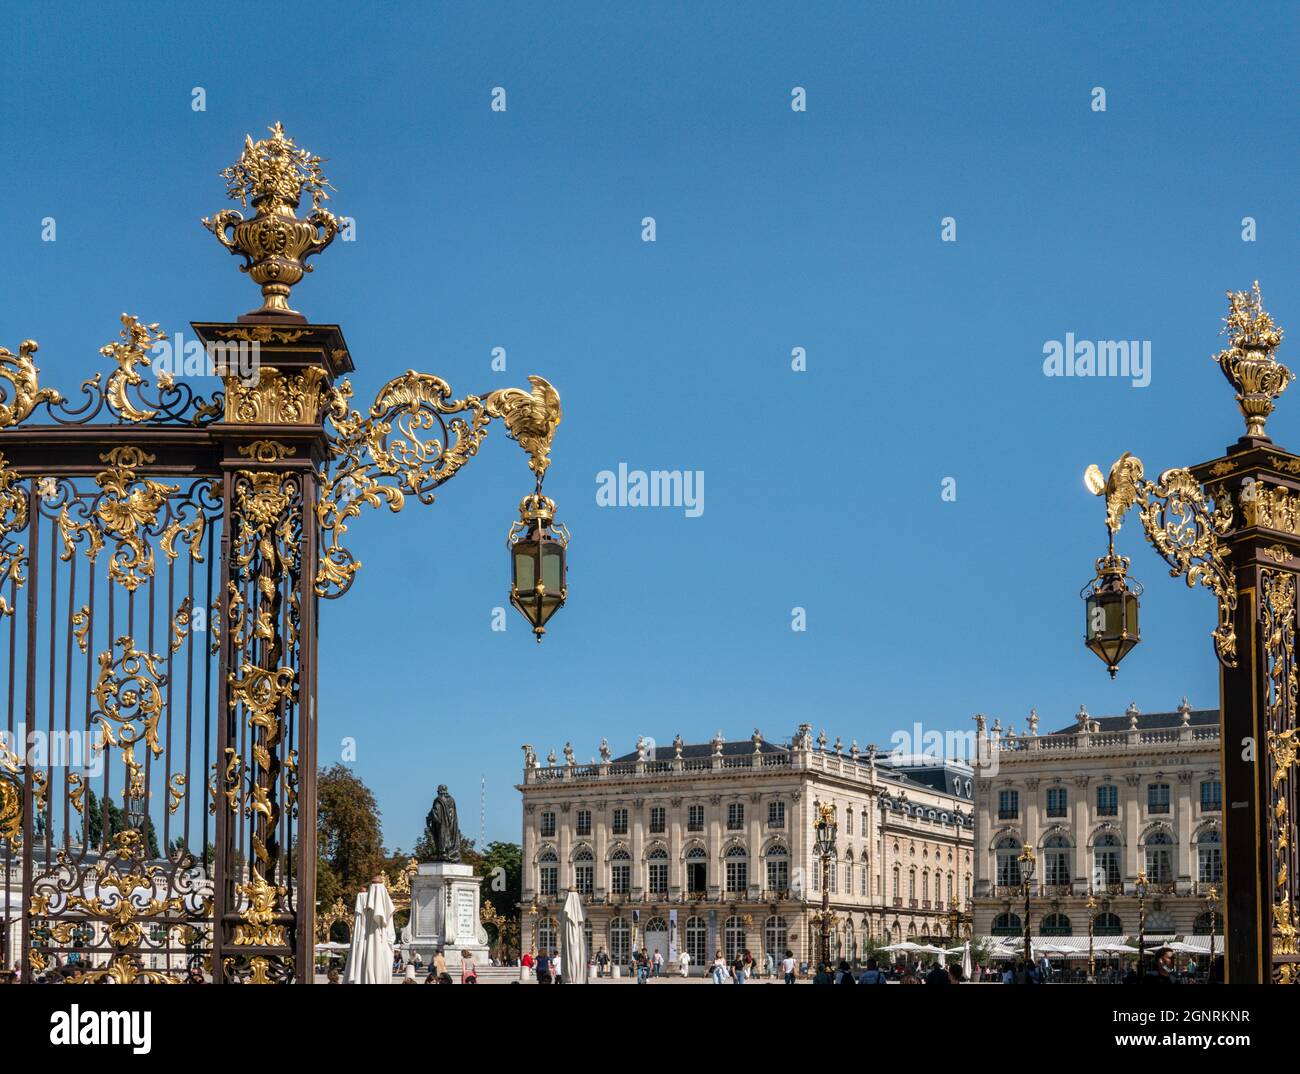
<point>162,556</point>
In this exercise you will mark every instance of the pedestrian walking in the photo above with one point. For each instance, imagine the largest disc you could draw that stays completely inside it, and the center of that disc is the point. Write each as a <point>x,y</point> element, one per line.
<point>872,974</point>
<point>788,967</point>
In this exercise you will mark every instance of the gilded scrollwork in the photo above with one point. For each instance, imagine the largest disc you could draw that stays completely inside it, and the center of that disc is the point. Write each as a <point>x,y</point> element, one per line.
<point>123,393</point>
<point>1278,623</point>
<point>131,511</point>
<point>13,519</point>
<point>129,698</point>
<point>1186,526</point>
<point>261,628</point>
<point>11,800</point>
<point>277,398</point>
<point>379,459</point>
<point>24,384</point>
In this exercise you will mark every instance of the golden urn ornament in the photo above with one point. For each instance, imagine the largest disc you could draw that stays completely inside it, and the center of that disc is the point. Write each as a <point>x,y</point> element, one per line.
<point>1249,364</point>
<point>273,174</point>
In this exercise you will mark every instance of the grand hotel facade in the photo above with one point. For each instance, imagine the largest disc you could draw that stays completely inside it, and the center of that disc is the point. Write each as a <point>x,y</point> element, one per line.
<point>707,847</point>
<point>1105,802</point>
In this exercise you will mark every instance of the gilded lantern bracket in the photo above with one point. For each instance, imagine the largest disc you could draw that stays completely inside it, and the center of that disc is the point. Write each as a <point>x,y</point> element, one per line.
<point>415,437</point>
<point>1184,525</point>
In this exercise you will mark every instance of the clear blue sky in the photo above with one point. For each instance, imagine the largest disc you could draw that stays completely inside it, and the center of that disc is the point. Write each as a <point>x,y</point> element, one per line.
<point>775,230</point>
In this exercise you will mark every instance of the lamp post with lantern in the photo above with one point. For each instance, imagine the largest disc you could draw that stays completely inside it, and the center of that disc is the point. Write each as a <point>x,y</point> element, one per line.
<point>1026,859</point>
<point>824,831</point>
<point>1232,526</point>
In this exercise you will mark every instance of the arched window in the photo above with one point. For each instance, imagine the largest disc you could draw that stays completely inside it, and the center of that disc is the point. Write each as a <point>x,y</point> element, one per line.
<point>548,873</point>
<point>697,871</point>
<point>776,937</point>
<point>1105,860</point>
<point>898,892</point>
<point>697,939</point>
<point>911,884</point>
<point>1107,925</point>
<point>657,871</point>
<point>733,938</point>
<point>1160,922</point>
<point>548,933</point>
<point>655,937</point>
<point>1209,857</point>
<point>1208,924</point>
<point>1160,858</point>
<point>1006,925</point>
<point>736,861</point>
<point>620,872</point>
<point>1007,851</point>
<point>778,870</point>
<point>1056,861</point>
<point>620,941</point>
<point>1057,925</point>
<point>584,871</point>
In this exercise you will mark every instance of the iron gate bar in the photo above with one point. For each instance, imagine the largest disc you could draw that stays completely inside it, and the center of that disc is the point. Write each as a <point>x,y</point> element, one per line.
<point>293,465</point>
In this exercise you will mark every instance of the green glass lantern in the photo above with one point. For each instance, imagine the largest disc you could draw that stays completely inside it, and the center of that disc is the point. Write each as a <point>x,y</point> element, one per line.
<point>1111,611</point>
<point>538,571</point>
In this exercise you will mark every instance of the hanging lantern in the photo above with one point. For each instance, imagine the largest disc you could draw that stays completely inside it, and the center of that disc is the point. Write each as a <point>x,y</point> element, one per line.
<point>1111,611</point>
<point>538,578</point>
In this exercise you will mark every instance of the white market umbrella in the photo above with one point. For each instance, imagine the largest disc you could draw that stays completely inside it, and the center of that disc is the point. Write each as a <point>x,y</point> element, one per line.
<point>356,951</point>
<point>373,934</point>
<point>966,968</point>
<point>573,940</point>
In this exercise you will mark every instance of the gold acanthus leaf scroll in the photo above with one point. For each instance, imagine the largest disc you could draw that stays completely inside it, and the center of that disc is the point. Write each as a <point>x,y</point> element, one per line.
<point>24,393</point>
<point>378,459</point>
<point>1188,529</point>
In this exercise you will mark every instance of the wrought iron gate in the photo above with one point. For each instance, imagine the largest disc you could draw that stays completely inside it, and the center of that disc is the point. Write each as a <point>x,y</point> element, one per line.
<point>162,556</point>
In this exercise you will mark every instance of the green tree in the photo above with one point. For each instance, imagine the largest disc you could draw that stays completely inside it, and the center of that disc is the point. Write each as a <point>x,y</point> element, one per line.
<point>349,839</point>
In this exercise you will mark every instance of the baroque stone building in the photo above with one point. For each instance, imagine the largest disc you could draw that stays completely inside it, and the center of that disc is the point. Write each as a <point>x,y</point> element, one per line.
<point>1100,801</point>
<point>709,846</point>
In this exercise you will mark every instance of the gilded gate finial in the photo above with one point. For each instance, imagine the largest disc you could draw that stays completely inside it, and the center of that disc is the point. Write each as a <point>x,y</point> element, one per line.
<point>274,174</point>
<point>1249,364</point>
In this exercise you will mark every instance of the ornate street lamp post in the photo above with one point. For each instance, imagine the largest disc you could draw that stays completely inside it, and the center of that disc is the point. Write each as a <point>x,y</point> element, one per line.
<point>824,846</point>
<point>1026,859</point>
<point>1092,916</point>
<point>1212,908</point>
<point>1232,525</point>
<point>1142,920</point>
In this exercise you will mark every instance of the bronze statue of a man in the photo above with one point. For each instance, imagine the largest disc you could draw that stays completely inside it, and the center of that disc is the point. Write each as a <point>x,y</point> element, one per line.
<point>442,827</point>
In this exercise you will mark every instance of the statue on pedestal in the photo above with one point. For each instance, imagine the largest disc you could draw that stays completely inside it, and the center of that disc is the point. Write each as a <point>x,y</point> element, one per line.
<point>442,827</point>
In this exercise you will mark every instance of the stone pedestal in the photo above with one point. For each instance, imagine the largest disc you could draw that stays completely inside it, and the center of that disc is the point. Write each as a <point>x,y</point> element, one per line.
<point>444,914</point>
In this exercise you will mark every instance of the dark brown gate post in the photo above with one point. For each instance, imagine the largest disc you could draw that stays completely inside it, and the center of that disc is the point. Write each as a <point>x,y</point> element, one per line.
<point>272,442</point>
